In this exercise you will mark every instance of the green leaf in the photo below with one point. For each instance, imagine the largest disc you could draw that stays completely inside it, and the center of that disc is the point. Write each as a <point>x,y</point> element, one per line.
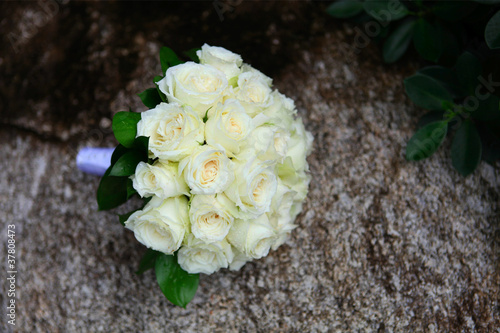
<point>426,141</point>
<point>451,47</point>
<point>492,32</point>
<point>112,191</point>
<point>176,284</point>
<point>124,217</point>
<point>130,189</point>
<point>426,92</point>
<point>489,109</point>
<point>168,58</point>
<point>125,166</point>
<point>205,118</point>
<point>141,144</point>
<point>344,9</point>
<point>488,2</point>
<point>453,10</point>
<point>160,93</point>
<point>145,201</point>
<point>150,97</point>
<point>191,54</point>
<point>430,117</point>
<point>385,11</point>
<point>148,261</point>
<point>466,148</point>
<point>444,76</point>
<point>397,43</point>
<point>427,40</point>
<point>119,151</point>
<point>125,127</point>
<point>490,141</point>
<point>468,69</point>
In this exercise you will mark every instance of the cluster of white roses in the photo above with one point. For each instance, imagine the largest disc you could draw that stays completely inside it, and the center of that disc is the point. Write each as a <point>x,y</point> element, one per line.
<point>230,171</point>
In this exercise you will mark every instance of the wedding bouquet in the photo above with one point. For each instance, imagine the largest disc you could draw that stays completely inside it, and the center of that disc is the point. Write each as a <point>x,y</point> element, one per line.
<point>220,161</point>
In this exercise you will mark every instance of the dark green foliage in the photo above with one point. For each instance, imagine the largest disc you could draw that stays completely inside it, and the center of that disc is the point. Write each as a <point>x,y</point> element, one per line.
<point>176,284</point>
<point>461,88</point>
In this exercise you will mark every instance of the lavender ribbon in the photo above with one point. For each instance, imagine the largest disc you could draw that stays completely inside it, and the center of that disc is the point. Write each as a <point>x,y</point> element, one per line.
<point>94,160</point>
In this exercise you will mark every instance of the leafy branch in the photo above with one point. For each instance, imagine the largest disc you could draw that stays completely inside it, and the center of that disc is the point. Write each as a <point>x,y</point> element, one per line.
<point>462,39</point>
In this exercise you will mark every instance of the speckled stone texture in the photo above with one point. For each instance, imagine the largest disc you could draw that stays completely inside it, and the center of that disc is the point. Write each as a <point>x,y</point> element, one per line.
<point>383,245</point>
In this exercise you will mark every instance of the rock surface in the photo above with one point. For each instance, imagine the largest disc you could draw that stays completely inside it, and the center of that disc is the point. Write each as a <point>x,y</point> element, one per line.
<point>382,245</point>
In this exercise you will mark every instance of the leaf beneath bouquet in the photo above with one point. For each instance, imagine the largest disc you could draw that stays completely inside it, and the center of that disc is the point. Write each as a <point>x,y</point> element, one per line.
<point>126,164</point>
<point>148,261</point>
<point>168,58</point>
<point>112,191</point>
<point>176,284</point>
<point>150,97</point>
<point>125,127</point>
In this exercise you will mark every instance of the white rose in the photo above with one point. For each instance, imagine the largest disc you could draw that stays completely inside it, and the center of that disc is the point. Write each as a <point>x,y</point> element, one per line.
<point>239,260</point>
<point>173,131</point>
<point>254,238</point>
<point>197,256</point>
<point>253,92</point>
<point>207,170</point>
<point>196,85</point>
<point>281,215</point>
<point>161,179</point>
<point>228,126</point>
<point>162,224</point>
<point>281,112</point>
<point>254,185</point>
<point>300,145</point>
<point>245,68</point>
<point>270,142</point>
<point>296,180</point>
<point>220,58</point>
<point>211,217</point>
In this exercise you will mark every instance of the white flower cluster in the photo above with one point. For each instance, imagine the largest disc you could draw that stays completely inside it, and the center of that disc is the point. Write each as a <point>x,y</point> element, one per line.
<point>230,171</point>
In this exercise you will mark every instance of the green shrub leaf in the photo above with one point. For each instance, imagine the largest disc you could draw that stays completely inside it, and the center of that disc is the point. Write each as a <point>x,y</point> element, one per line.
<point>427,40</point>
<point>397,43</point>
<point>426,141</point>
<point>453,10</point>
<point>466,148</point>
<point>427,92</point>
<point>446,77</point>
<point>385,11</point>
<point>488,2</point>
<point>488,109</point>
<point>492,32</point>
<point>168,58</point>
<point>490,141</point>
<point>468,68</point>
<point>344,9</point>
<point>430,117</point>
<point>148,261</point>
<point>125,127</point>
<point>176,284</point>
<point>150,97</point>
